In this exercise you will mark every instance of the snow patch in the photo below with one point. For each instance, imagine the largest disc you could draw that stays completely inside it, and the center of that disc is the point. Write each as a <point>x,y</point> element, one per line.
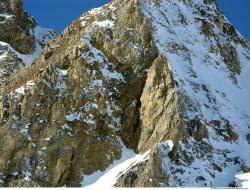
<point>42,36</point>
<point>73,116</point>
<point>105,23</point>
<point>3,56</point>
<point>2,72</point>
<point>243,180</point>
<point>108,178</point>
<point>27,86</point>
<point>94,55</point>
<point>6,16</point>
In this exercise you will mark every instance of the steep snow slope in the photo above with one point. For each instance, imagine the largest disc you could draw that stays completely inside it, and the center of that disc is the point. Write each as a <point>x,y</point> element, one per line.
<point>216,91</point>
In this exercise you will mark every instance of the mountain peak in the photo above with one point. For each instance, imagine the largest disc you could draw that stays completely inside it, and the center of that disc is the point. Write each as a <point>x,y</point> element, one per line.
<point>135,93</point>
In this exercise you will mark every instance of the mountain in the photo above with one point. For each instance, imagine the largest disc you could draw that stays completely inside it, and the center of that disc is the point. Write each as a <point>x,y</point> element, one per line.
<point>137,93</point>
<point>21,40</point>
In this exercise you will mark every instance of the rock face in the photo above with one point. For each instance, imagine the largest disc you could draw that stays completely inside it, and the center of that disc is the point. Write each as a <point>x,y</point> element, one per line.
<point>15,26</point>
<point>169,78</point>
<point>21,40</point>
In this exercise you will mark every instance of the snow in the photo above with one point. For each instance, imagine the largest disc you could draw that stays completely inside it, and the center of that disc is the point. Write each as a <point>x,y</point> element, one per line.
<point>3,56</point>
<point>25,87</point>
<point>66,127</point>
<point>60,83</point>
<point>105,23</point>
<point>64,72</point>
<point>98,83</point>
<point>108,178</point>
<point>42,36</point>
<point>6,16</point>
<point>27,59</point>
<point>243,180</point>
<point>90,122</point>
<point>27,175</point>
<point>94,55</point>
<point>15,174</point>
<point>189,53</point>
<point>2,72</point>
<point>47,139</point>
<point>170,144</point>
<point>73,116</point>
<point>95,11</point>
<point>25,132</point>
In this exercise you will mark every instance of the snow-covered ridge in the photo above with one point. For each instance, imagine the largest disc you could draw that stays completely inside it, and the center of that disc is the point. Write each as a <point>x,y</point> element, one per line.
<point>205,78</point>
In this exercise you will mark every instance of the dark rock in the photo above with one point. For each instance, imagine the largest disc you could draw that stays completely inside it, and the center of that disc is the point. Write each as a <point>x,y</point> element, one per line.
<point>248,138</point>
<point>245,169</point>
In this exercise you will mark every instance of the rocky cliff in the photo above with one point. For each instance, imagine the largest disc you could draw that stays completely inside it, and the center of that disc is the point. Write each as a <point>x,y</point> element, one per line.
<point>135,93</point>
<point>21,40</point>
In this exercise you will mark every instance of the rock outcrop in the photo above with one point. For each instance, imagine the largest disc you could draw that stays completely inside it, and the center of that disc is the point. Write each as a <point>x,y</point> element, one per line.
<point>21,40</point>
<point>15,26</point>
<point>165,78</point>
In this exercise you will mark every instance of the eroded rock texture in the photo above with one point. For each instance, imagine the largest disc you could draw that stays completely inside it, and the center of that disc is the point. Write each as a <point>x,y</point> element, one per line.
<point>155,76</point>
<point>15,26</point>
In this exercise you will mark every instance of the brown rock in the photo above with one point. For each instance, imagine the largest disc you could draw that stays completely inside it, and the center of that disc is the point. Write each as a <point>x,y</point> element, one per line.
<point>159,116</point>
<point>248,138</point>
<point>16,32</point>
<point>245,169</point>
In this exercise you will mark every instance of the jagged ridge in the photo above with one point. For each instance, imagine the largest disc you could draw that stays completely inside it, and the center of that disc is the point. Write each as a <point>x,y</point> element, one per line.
<point>140,73</point>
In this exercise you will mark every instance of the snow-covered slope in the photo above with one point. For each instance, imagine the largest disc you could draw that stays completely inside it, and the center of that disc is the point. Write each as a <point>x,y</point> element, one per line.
<point>214,90</point>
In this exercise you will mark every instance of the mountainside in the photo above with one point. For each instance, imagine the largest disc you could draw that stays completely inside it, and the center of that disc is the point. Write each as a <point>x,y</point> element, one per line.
<point>21,40</point>
<point>146,93</point>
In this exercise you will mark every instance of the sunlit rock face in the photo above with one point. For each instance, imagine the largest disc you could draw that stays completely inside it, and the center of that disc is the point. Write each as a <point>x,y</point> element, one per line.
<point>165,79</point>
<point>21,40</point>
